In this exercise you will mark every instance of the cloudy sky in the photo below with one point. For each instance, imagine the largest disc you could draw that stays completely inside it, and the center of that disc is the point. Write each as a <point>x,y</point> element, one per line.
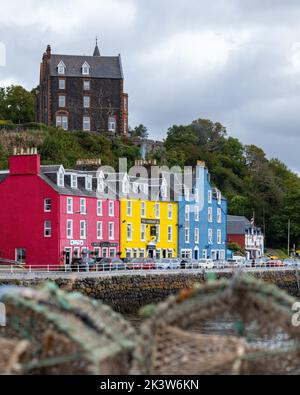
<point>232,61</point>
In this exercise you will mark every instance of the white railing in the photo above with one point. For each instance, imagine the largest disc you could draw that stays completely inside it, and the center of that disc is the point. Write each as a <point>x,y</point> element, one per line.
<point>132,268</point>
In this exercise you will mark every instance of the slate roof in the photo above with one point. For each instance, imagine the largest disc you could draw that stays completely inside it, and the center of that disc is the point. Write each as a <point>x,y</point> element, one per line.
<point>100,66</point>
<point>236,225</point>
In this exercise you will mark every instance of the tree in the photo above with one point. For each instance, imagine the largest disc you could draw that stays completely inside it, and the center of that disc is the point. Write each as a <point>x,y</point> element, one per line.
<point>17,104</point>
<point>140,131</point>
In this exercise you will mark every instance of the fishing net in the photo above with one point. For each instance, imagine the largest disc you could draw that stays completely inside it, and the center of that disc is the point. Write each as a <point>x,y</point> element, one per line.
<point>176,337</point>
<point>68,332</point>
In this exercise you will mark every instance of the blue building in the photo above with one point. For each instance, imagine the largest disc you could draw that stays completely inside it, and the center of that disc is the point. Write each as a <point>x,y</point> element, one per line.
<point>202,219</point>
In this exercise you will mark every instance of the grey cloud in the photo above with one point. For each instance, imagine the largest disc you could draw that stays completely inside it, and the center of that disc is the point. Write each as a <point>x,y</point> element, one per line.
<point>254,93</point>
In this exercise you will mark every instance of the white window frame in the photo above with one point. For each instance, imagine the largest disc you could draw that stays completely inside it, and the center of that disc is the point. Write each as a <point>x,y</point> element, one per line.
<point>219,216</point>
<point>112,252</point>
<point>111,208</point>
<point>85,69</point>
<point>129,234</point>
<point>105,252</point>
<point>60,178</point>
<point>47,228</point>
<point>83,230</point>
<point>47,205</point>
<point>74,181</point>
<point>170,233</point>
<point>70,205</point>
<point>69,229</point>
<point>197,213</point>
<point>210,214</point>
<point>112,123</point>
<point>62,121</point>
<point>85,83</point>
<point>142,252</point>
<point>99,208</point>
<point>209,198</point>
<point>62,84</point>
<point>129,208</point>
<point>111,231</point>
<point>143,209</point>
<point>99,230</point>
<point>210,237</point>
<point>128,252</point>
<point>17,254</point>
<point>61,68</point>
<point>170,211</point>
<point>89,183</point>
<point>219,236</point>
<point>86,123</point>
<point>82,206</point>
<point>196,236</point>
<point>187,213</point>
<point>143,232</point>
<point>157,233</point>
<point>86,101</point>
<point>187,235</point>
<point>61,101</point>
<point>157,210</point>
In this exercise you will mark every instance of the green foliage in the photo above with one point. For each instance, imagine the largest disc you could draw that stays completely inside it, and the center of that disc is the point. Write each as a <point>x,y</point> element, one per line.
<point>235,248</point>
<point>140,131</point>
<point>17,104</point>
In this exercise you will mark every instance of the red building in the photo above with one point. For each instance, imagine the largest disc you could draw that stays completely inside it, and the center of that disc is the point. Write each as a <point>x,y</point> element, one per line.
<point>48,214</point>
<point>248,236</point>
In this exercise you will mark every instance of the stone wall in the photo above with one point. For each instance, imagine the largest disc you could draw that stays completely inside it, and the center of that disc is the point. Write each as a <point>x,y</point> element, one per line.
<point>127,294</point>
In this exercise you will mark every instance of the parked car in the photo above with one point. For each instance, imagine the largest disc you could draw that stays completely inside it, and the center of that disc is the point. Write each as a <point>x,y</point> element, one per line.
<point>205,263</point>
<point>220,264</point>
<point>106,264</point>
<point>236,263</point>
<point>167,263</point>
<point>141,264</point>
<point>189,263</point>
<point>291,262</point>
<point>275,263</point>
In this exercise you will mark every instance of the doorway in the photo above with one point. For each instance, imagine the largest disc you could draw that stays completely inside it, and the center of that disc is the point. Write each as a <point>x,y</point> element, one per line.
<point>68,256</point>
<point>151,254</point>
<point>196,255</point>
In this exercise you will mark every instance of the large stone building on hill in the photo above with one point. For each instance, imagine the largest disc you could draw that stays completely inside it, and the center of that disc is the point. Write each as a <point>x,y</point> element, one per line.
<point>82,93</point>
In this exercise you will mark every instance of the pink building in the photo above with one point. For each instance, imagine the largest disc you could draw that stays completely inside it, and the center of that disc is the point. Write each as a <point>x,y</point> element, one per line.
<point>49,214</point>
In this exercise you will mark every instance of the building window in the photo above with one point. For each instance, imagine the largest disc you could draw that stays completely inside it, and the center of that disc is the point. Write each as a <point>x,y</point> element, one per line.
<point>125,104</point>
<point>21,255</point>
<point>89,183</point>
<point>86,124</point>
<point>187,235</point>
<point>86,85</point>
<point>196,213</point>
<point>170,211</point>
<point>97,252</point>
<point>112,253</point>
<point>62,101</point>
<point>105,252</point>
<point>60,179</point>
<point>219,217</point>
<point>143,209</point>
<point>100,184</point>
<point>62,84</point>
<point>210,214</point>
<point>209,197</point>
<point>186,254</point>
<point>143,232</point>
<point>196,235</point>
<point>86,101</point>
<point>170,254</point>
<point>187,213</point>
<point>62,122</point>
<point>70,205</point>
<point>157,210</point>
<point>142,253</point>
<point>61,68</point>
<point>129,232</point>
<point>111,231</point>
<point>47,205</point>
<point>112,124</point>
<point>135,253</point>
<point>99,230</point>
<point>170,234</point>
<point>210,236</point>
<point>219,236</point>
<point>74,181</point>
<point>82,230</point>
<point>85,69</point>
<point>111,210</point>
<point>129,208</point>
<point>128,253</point>
<point>82,206</point>
<point>125,126</point>
<point>99,208</point>
<point>69,229</point>
<point>47,228</point>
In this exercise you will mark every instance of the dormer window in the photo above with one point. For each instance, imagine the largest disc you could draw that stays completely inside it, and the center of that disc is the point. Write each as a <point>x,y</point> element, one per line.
<point>88,183</point>
<point>85,69</point>
<point>61,68</point>
<point>61,178</point>
<point>73,181</point>
<point>125,185</point>
<point>100,185</point>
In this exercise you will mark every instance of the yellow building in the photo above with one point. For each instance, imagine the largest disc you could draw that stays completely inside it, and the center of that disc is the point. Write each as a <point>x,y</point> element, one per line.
<point>149,229</point>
